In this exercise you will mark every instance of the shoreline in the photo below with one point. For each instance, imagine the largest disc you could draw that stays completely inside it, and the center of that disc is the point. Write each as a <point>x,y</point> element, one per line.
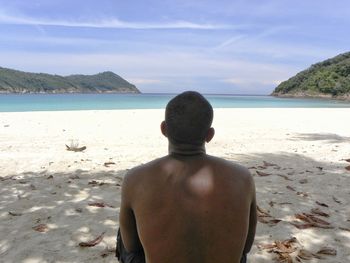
<point>78,102</point>
<point>162,110</point>
<point>345,98</point>
<point>66,93</point>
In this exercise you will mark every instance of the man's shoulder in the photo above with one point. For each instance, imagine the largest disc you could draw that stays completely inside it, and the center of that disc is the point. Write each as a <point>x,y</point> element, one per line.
<point>141,171</point>
<point>232,168</point>
<point>228,164</point>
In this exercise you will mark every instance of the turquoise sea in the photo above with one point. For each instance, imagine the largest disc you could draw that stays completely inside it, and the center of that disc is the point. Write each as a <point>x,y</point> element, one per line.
<point>63,102</point>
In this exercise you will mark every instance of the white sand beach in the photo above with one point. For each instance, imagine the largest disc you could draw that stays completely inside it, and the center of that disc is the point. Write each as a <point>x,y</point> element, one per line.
<point>52,199</point>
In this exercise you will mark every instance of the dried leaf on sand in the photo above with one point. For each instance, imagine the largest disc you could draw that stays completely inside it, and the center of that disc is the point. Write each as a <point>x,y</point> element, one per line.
<point>265,218</point>
<point>41,228</point>
<point>266,246</point>
<point>262,173</point>
<point>93,242</point>
<point>284,176</point>
<point>15,213</point>
<point>290,188</point>
<point>285,245</point>
<point>305,254</point>
<point>319,212</point>
<point>270,222</point>
<point>322,204</point>
<point>262,212</point>
<point>93,182</point>
<point>310,221</point>
<point>284,258</point>
<point>336,200</point>
<point>327,251</point>
<point>309,218</point>
<point>100,204</point>
<point>283,249</point>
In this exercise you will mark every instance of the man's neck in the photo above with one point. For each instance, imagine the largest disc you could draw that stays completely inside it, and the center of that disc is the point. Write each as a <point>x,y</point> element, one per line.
<point>185,149</point>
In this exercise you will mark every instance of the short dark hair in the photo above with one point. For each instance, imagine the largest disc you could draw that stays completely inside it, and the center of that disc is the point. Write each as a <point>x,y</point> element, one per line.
<point>188,118</point>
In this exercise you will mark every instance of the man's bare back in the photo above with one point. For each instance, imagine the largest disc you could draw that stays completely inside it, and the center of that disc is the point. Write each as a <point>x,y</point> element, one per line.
<point>191,209</point>
<point>188,207</point>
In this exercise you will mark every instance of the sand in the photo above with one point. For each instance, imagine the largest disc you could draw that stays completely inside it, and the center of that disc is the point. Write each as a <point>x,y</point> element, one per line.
<point>48,195</point>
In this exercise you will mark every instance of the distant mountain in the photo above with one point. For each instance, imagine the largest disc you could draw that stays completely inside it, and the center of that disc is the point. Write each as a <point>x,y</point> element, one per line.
<point>14,81</point>
<point>328,79</point>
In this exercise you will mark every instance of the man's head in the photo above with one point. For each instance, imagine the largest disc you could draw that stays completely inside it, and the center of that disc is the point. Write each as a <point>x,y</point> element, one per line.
<point>188,119</point>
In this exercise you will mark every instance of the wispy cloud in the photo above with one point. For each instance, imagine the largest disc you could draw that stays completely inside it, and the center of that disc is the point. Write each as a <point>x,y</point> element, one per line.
<point>249,82</point>
<point>230,41</point>
<point>108,23</point>
<point>69,41</point>
<point>252,37</point>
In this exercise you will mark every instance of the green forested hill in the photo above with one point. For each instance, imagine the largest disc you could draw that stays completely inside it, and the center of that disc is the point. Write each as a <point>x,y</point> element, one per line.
<point>14,81</point>
<point>330,78</point>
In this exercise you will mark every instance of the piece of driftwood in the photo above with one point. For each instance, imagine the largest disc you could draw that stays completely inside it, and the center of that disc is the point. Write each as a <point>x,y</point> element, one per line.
<point>75,149</point>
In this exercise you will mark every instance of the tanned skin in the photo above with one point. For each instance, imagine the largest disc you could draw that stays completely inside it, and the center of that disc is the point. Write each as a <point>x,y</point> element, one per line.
<point>188,207</point>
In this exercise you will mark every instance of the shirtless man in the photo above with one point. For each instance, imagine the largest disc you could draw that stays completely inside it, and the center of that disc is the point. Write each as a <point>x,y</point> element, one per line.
<point>187,207</point>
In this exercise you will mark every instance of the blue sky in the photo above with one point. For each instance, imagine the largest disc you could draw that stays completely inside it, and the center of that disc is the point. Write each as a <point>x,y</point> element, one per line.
<point>226,46</point>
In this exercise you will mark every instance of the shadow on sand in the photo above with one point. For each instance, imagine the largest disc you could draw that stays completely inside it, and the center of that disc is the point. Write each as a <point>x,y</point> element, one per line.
<point>327,137</point>
<point>321,182</point>
<point>61,201</point>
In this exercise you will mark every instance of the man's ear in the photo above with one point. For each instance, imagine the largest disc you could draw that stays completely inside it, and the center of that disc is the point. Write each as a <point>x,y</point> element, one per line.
<point>163,129</point>
<point>210,134</point>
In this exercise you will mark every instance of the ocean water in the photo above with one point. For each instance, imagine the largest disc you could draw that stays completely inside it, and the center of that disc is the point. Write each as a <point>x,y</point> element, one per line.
<point>64,102</point>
